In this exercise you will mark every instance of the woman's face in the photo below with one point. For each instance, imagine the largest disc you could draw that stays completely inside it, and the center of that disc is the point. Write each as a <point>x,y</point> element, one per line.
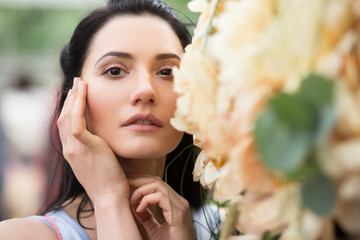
<point>130,97</point>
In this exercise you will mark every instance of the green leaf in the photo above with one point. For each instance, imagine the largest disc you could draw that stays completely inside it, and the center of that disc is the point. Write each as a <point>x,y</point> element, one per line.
<point>317,90</point>
<point>306,171</point>
<point>269,236</point>
<point>326,120</point>
<point>293,111</point>
<point>281,147</point>
<point>294,125</point>
<point>318,195</point>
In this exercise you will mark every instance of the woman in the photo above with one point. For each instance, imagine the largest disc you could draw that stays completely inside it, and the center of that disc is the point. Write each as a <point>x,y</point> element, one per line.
<point>115,132</point>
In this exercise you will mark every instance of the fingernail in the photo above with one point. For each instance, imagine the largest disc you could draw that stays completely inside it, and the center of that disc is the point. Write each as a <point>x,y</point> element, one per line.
<point>137,209</point>
<point>81,84</point>
<point>75,82</point>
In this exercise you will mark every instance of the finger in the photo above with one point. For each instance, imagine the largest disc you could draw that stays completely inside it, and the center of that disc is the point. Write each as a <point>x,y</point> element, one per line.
<point>69,101</point>
<point>150,199</point>
<point>78,110</point>
<point>160,199</point>
<point>146,188</point>
<point>147,219</point>
<point>63,120</point>
<point>78,122</point>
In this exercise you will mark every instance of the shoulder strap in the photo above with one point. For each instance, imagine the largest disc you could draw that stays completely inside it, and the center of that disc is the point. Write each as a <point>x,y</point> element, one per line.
<point>54,226</point>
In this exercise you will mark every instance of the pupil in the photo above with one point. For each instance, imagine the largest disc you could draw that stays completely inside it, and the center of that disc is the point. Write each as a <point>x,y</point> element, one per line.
<point>166,72</point>
<point>115,71</point>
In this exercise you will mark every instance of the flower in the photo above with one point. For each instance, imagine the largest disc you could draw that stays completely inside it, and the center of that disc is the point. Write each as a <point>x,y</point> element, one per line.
<point>259,213</point>
<point>205,171</point>
<point>196,91</point>
<point>244,171</point>
<point>250,59</point>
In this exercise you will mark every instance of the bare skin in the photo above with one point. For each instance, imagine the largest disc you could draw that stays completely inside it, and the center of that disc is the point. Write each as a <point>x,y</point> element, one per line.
<point>129,197</point>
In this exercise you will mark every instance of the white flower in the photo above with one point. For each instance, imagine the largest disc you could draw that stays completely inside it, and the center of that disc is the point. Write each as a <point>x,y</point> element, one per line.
<point>245,237</point>
<point>199,5</point>
<point>195,84</point>
<point>259,212</point>
<point>348,210</point>
<point>244,171</point>
<point>350,188</point>
<point>341,158</point>
<point>208,9</point>
<point>205,171</point>
<point>244,52</point>
<point>307,226</point>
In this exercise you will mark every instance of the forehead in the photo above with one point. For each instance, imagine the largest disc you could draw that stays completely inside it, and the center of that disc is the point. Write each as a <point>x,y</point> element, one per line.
<point>136,34</point>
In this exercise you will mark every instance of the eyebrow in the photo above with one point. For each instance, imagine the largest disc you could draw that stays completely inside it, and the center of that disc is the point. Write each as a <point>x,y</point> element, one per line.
<point>161,56</point>
<point>114,54</point>
<point>167,56</point>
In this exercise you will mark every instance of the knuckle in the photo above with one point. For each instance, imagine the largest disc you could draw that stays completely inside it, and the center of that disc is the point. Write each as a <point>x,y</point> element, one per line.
<point>59,121</point>
<point>69,153</point>
<point>76,129</point>
<point>162,195</point>
<point>158,180</point>
<point>76,132</point>
<point>186,204</point>
<point>100,143</point>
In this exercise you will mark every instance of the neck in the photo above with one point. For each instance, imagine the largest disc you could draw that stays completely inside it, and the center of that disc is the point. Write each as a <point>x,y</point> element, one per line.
<point>154,167</point>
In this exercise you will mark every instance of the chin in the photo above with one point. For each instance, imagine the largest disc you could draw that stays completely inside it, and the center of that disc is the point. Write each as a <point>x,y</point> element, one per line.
<point>141,152</point>
<point>141,156</point>
<point>145,147</point>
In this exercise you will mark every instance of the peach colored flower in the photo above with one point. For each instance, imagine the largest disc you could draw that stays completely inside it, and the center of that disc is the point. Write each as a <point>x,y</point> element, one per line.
<point>341,158</point>
<point>245,237</point>
<point>259,212</point>
<point>306,225</point>
<point>195,84</point>
<point>205,171</point>
<point>244,171</point>
<point>347,212</point>
<point>244,52</point>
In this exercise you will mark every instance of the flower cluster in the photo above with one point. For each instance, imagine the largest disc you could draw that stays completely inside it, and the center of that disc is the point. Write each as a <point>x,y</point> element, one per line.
<point>270,89</point>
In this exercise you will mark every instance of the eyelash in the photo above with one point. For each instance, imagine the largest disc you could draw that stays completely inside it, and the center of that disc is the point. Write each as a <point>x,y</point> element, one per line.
<point>168,75</point>
<point>108,70</point>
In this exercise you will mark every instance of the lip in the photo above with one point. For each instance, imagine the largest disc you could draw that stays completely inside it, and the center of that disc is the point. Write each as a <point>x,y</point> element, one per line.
<point>141,116</point>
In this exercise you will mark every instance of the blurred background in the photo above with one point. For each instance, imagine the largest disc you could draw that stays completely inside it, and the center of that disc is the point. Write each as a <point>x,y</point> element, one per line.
<point>32,34</point>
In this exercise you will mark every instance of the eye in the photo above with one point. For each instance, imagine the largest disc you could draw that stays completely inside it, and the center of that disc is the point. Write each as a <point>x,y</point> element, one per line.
<point>114,71</point>
<point>167,72</point>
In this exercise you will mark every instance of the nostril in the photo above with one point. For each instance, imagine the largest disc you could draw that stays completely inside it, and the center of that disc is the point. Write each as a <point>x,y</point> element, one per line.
<point>144,92</point>
<point>149,100</point>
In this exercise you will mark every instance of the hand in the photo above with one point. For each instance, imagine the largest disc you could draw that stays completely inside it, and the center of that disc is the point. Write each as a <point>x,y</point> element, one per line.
<point>151,190</point>
<point>91,159</point>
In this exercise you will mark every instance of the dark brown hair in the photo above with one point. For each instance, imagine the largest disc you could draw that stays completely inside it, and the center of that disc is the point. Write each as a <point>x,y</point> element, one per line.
<point>64,185</point>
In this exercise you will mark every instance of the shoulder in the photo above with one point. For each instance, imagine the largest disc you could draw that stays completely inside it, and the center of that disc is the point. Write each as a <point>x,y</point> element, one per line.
<point>23,228</point>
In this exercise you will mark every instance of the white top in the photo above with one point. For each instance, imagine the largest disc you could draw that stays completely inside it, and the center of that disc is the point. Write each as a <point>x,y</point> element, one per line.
<point>205,219</point>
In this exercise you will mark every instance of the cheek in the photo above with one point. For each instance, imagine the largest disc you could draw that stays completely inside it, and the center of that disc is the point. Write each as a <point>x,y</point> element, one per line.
<point>99,108</point>
<point>177,136</point>
<point>171,102</point>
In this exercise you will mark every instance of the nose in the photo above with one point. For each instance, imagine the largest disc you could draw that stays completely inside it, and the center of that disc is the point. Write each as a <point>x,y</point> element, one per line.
<point>144,91</point>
